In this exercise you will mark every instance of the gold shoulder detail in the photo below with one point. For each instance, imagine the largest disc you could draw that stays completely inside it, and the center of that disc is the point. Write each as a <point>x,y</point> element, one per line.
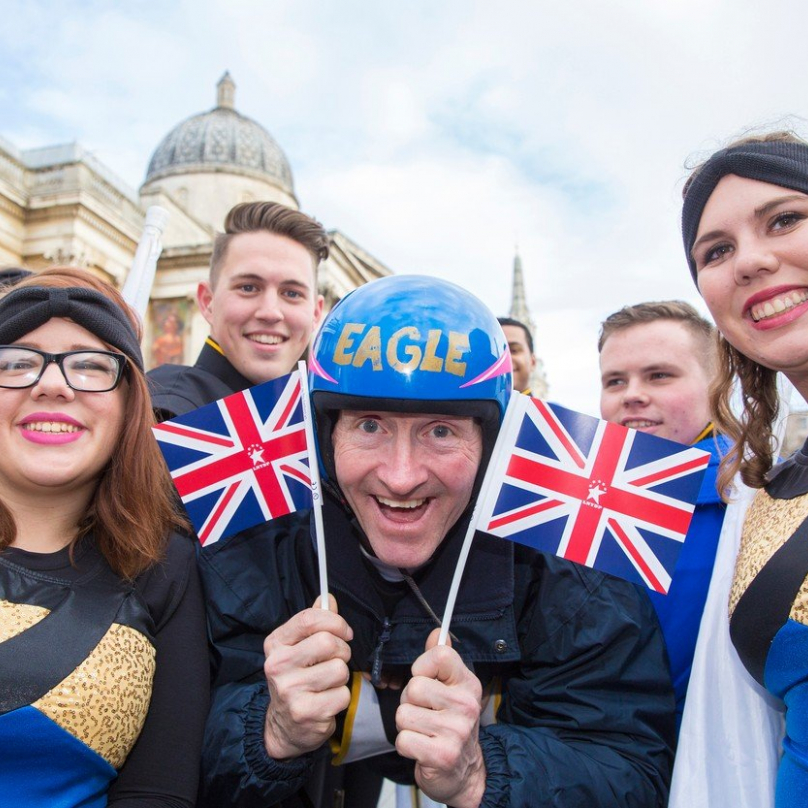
<point>104,701</point>
<point>17,617</point>
<point>769,524</point>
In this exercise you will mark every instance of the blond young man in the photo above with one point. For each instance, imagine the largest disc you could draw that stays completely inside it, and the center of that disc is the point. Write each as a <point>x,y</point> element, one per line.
<point>657,361</point>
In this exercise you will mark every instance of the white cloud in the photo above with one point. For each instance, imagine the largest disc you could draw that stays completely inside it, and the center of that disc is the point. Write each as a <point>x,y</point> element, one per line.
<point>437,135</point>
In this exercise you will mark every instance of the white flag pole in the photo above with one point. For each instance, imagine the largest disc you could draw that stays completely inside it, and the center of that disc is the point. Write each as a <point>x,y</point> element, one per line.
<point>512,415</point>
<point>137,289</point>
<point>316,488</point>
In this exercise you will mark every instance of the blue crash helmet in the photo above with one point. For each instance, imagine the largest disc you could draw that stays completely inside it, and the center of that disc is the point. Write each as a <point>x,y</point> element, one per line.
<point>409,343</point>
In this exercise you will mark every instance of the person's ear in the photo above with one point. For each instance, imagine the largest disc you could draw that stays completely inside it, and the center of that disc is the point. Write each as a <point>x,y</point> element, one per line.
<point>204,297</point>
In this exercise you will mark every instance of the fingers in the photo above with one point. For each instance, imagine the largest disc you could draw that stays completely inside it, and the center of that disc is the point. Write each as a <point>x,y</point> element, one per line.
<point>428,705</point>
<point>306,669</point>
<point>309,622</point>
<point>438,726</point>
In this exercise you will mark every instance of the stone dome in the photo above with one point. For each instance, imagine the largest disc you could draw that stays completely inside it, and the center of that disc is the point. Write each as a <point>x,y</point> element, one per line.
<point>221,140</point>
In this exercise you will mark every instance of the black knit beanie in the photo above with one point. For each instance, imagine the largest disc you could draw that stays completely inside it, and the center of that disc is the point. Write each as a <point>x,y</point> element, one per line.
<point>777,162</point>
<point>24,310</point>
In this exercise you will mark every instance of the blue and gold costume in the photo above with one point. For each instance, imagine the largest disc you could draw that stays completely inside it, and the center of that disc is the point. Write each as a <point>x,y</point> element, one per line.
<point>769,611</point>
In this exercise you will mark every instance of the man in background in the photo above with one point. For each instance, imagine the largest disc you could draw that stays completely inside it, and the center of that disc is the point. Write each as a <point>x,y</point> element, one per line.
<point>261,302</point>
<point>520,343</point>
<point>656,361</point>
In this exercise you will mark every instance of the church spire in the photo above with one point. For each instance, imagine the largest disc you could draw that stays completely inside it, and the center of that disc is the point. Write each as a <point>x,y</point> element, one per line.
<point>520,311</point>
<point>226,92</point>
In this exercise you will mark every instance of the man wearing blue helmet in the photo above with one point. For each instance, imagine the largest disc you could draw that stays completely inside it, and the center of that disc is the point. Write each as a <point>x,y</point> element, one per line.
<point>554,689</point>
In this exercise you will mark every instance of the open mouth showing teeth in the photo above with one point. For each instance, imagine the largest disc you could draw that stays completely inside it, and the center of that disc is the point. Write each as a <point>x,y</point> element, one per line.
<point>639,424</point>
<point>50,426</point>
<point>404,505</point>
<point>266,339</point>
<point>778,305</point>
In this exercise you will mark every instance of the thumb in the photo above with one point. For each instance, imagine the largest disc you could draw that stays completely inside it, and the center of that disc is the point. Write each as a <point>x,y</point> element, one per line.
<point>332,603</point>
<point>432,639</point>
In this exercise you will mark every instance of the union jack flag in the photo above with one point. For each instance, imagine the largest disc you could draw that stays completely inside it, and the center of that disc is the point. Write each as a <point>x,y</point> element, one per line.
<point>240,461</point>
<point>591,491</point>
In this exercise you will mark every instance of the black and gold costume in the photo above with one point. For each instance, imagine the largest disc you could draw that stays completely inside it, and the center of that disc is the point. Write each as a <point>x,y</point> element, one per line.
<point>103,682</point>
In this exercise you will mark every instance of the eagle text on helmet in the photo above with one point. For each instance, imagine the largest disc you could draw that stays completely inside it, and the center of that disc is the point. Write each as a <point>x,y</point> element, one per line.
<point>405,350</point>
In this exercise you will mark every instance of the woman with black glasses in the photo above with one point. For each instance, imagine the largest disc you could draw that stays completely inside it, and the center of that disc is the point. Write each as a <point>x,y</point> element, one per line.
<point>103,660</point>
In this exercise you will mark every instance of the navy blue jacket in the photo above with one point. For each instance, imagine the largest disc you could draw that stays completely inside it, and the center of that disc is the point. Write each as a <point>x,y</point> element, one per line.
<point>179,389</point>
<point>586,716</point>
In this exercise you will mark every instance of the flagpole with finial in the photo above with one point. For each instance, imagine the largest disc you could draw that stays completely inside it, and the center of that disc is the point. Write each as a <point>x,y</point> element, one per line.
<point>137,289</point>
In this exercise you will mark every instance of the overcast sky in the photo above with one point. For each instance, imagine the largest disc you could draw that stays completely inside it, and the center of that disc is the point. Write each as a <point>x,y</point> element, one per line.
<point>438,135</point>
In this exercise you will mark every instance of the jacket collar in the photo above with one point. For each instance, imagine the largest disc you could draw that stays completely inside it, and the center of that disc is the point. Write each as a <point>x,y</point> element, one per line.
<point>212,359</point>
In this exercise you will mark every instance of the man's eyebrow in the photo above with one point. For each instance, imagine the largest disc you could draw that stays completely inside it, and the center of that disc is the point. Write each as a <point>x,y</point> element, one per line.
<point>650,368</point>
<point>240,277</point>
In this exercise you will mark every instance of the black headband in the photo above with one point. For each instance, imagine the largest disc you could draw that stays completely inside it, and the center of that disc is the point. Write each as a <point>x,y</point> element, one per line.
<point>24,310</point>
<point>777,162</point>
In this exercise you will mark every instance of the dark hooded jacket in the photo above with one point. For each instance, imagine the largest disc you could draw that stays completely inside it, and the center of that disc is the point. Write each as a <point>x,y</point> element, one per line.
<point>573,661</point>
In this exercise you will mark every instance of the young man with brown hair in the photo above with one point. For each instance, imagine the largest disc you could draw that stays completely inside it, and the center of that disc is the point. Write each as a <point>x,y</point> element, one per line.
<point>261,302</point>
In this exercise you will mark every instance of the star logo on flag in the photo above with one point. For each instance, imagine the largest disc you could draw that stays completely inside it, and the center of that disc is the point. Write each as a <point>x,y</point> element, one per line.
<point>595,490</point>
<point>256,454</point>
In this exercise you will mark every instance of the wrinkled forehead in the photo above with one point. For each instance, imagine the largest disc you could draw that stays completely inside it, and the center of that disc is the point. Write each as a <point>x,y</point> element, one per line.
<point>407,418</point>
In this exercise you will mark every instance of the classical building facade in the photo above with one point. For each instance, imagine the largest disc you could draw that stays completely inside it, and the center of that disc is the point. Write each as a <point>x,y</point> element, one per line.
<point>61,205</point>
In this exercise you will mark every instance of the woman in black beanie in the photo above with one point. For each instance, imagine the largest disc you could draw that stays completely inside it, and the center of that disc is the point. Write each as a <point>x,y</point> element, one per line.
<point>103,659</point>
<point>745,230</point>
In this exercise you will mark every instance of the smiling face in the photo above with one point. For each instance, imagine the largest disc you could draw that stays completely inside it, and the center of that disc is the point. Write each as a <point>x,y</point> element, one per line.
<point>53,438</point>
<point>408,478</point>
<point>751,254</point>
<point>654,379</point>
<point>264,306</point>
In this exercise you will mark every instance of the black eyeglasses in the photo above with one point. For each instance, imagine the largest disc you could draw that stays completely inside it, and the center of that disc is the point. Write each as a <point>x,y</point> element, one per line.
<point>85,371</point>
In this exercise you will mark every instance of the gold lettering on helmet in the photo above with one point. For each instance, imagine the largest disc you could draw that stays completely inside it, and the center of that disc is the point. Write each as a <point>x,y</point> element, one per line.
<point>431,359</point>
<point>343,353</point>
<point>370,348</point>
<point>411,351</point>
<point>403,351</point>
<point>458,345</point>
